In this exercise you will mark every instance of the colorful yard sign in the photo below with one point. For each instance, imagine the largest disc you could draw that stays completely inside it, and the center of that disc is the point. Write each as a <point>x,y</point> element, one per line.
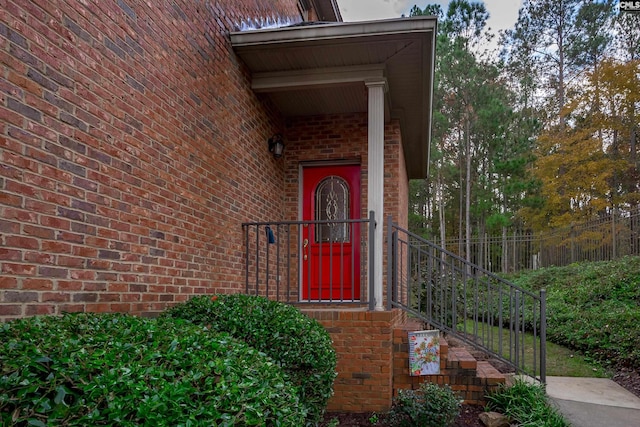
<point>424,353</point>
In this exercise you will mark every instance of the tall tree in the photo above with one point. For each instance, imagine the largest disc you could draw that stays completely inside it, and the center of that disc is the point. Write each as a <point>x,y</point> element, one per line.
<point>587,171</point>
<point>627,35</point>
<point>475,130</point>
<point>592,38</point>
<point>591,41</point>
<point>424,197</point>
<point>464,24</point>
<point>618,83</point>
<point>627,40</point>
<point>544,30</point>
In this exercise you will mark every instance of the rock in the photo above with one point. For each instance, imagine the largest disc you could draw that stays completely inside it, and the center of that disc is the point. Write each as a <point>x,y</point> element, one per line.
<point>494,419</point>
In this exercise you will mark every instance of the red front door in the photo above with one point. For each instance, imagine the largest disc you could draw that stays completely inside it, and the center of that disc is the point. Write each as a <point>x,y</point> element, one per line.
<point>331,249</point>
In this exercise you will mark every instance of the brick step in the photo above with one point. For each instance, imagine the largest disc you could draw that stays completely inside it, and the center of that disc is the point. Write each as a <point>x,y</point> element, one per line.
<point>490,374</point>
<point>460,358</point>
<point>470,378</point>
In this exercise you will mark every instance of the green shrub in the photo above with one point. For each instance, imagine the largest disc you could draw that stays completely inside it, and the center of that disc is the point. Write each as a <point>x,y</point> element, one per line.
<point>592,307</point>
<point>430,406</point>
<point>89,369</point>
<point>527,404</point>
<point>300,345</point>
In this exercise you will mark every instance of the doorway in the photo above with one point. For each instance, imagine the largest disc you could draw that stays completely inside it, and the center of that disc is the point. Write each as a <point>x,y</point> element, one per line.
<point>331,248</point>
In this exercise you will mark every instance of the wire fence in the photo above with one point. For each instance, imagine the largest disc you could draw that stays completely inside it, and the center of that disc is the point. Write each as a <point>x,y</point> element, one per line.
<point>610,237</point>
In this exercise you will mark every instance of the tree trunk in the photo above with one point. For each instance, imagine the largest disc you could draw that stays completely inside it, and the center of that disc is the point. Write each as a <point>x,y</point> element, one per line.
<point>467,214</point>
<point>461,215</point>
<point>561,72</point>
<point>634,134</point>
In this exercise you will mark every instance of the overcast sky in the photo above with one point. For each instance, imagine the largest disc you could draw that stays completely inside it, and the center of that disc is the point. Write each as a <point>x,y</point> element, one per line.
<point>503,13</point>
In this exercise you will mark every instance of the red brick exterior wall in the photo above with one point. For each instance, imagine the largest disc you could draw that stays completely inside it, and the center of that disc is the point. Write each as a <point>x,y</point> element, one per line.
<point>343,137</point>
<point>364,346</point>
<point>131,150</point>
<point>324,139</point>
<point>396,195</point>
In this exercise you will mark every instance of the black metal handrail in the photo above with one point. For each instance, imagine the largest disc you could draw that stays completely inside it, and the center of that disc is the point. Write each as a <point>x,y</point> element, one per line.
<point>467,301</point>
<point>275,258</point>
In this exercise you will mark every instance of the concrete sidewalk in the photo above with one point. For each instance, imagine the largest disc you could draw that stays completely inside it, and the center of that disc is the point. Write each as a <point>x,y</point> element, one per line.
<point>594,402</point>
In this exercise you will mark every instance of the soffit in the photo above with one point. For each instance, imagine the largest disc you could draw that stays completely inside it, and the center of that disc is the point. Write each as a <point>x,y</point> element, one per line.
<point>323,68</point>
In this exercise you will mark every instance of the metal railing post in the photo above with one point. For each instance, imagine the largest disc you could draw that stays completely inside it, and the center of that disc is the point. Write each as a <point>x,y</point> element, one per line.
<point>543,336</point>
<point>246,260</point>
<point>267,265</point>
<point>277,263</point>
<point>517,329</point>
<point>257,260</point>
<point>289,262</point>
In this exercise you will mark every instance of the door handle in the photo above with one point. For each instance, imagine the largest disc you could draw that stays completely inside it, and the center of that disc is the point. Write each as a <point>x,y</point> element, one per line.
<point>305,243</point>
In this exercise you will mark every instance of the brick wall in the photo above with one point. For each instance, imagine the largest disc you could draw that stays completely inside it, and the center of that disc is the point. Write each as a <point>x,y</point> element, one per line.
<point>364,342</point>
<point>131,149</point>
<point>343,137</point>
<point>372,349</point>
<point>396,196</point>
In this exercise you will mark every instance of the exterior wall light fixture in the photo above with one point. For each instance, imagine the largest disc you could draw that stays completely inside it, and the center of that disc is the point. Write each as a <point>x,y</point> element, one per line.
<point>276,145</point>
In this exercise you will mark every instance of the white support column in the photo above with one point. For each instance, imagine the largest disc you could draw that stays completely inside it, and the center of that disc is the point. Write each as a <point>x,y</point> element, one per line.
<point>375,187</point>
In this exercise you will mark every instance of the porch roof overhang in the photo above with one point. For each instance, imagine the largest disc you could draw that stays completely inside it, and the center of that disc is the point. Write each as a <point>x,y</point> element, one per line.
<point>323,68</point>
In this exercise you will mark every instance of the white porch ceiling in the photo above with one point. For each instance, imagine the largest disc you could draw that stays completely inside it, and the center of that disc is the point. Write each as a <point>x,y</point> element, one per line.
<point>322,68</point>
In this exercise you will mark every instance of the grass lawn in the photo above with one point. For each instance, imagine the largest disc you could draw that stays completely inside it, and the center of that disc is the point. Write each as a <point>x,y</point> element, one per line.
<point>561,361</point>
<point>593,309</point>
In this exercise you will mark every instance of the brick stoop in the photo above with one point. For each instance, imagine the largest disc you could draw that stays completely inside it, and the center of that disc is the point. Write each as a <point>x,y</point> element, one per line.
<point>363,343</point>
<point>372,349</point>
<point>471,379</point>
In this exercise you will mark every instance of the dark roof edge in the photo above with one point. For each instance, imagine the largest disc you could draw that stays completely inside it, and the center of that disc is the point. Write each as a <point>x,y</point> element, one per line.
<point>334,30</point>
